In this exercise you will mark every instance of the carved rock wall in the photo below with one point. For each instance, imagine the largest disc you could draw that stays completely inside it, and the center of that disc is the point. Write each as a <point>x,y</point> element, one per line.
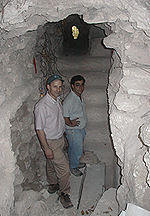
<point>129,109</point>
<point>129,89</point>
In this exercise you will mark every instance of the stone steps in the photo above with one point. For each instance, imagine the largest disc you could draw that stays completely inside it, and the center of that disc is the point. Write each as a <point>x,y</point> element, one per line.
<point>95,70</point>
<point>93,189</point>
<point>82,64</point>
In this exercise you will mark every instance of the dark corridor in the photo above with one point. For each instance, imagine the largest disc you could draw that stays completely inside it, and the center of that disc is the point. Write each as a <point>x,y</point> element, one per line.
<point>77,46</point>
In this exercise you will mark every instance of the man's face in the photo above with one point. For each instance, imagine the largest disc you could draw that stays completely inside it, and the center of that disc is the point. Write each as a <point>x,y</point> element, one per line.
<point>55,88</point>
<point>78,87</point>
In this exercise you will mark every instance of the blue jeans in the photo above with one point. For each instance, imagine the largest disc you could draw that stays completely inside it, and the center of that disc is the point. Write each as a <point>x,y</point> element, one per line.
<point>75,139</point>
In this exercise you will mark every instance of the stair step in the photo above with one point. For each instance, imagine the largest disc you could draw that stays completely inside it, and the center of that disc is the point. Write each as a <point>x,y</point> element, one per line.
<point>93,188</point>
<point>83,64</point>
<point>92,96</point>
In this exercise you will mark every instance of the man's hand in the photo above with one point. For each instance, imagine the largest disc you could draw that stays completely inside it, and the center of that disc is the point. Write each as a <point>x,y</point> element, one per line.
<point>72,123</point>
<point>42,137</point>
<point>75,122</point>
<point>49,153</point>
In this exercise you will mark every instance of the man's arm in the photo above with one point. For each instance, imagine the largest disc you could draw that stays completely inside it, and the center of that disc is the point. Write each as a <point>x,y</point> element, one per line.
<point>71,123</point>
<point>43,140</point>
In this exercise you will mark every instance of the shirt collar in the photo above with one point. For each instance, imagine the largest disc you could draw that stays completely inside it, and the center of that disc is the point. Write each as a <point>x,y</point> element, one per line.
<point>76,95</point>
<point>52,99</point>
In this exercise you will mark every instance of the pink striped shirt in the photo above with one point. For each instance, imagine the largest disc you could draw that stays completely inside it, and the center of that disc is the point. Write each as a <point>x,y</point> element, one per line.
<point>49,117</point>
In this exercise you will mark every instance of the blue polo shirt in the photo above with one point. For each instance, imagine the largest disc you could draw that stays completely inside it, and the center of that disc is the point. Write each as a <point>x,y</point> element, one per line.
<point>74,108</point>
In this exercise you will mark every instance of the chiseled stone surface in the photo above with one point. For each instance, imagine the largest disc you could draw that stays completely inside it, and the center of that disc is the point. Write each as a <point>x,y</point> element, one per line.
<point>107,205</point>
<point>130,26</point>
<point>145,136</point>
<point>130,103</point>
<point>136,86</point>
<point>129,112</point>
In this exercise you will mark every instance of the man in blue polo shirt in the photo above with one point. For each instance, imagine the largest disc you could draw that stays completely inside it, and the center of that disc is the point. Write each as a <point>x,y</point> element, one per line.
<point>75,119</point>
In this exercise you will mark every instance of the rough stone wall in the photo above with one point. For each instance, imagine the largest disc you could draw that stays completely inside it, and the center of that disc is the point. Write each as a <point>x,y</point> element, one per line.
<point>29,172</point>
<point>17,82</point>
<point>129,110</point>
<point>130,105</point>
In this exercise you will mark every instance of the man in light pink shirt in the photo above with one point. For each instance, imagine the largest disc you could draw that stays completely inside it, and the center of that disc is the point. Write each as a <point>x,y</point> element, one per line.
<point>50,127</point>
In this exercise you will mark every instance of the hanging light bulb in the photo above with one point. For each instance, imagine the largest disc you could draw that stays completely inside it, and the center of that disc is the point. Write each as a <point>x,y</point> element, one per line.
<point>75,32</point>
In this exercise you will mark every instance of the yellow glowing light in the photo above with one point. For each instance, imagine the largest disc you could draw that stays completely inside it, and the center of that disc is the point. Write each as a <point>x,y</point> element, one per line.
<point>75,32</point>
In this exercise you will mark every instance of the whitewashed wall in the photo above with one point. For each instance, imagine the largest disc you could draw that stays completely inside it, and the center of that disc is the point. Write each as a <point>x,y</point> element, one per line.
<point>130,110</point>
<point>17,82</point>
<point>129,91</point>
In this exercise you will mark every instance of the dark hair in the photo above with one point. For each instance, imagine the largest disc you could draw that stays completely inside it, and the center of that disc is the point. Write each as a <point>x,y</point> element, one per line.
<point>77,78</point>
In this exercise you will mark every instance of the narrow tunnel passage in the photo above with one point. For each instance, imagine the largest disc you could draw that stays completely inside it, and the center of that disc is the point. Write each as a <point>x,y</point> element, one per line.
<point>85,55</point>
<point>93,61</point>
<point>78,45</point>
<point>22,171</point>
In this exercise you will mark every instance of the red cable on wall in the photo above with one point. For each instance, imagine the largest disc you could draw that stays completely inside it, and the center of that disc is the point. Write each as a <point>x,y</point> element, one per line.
<point>34,64</point>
